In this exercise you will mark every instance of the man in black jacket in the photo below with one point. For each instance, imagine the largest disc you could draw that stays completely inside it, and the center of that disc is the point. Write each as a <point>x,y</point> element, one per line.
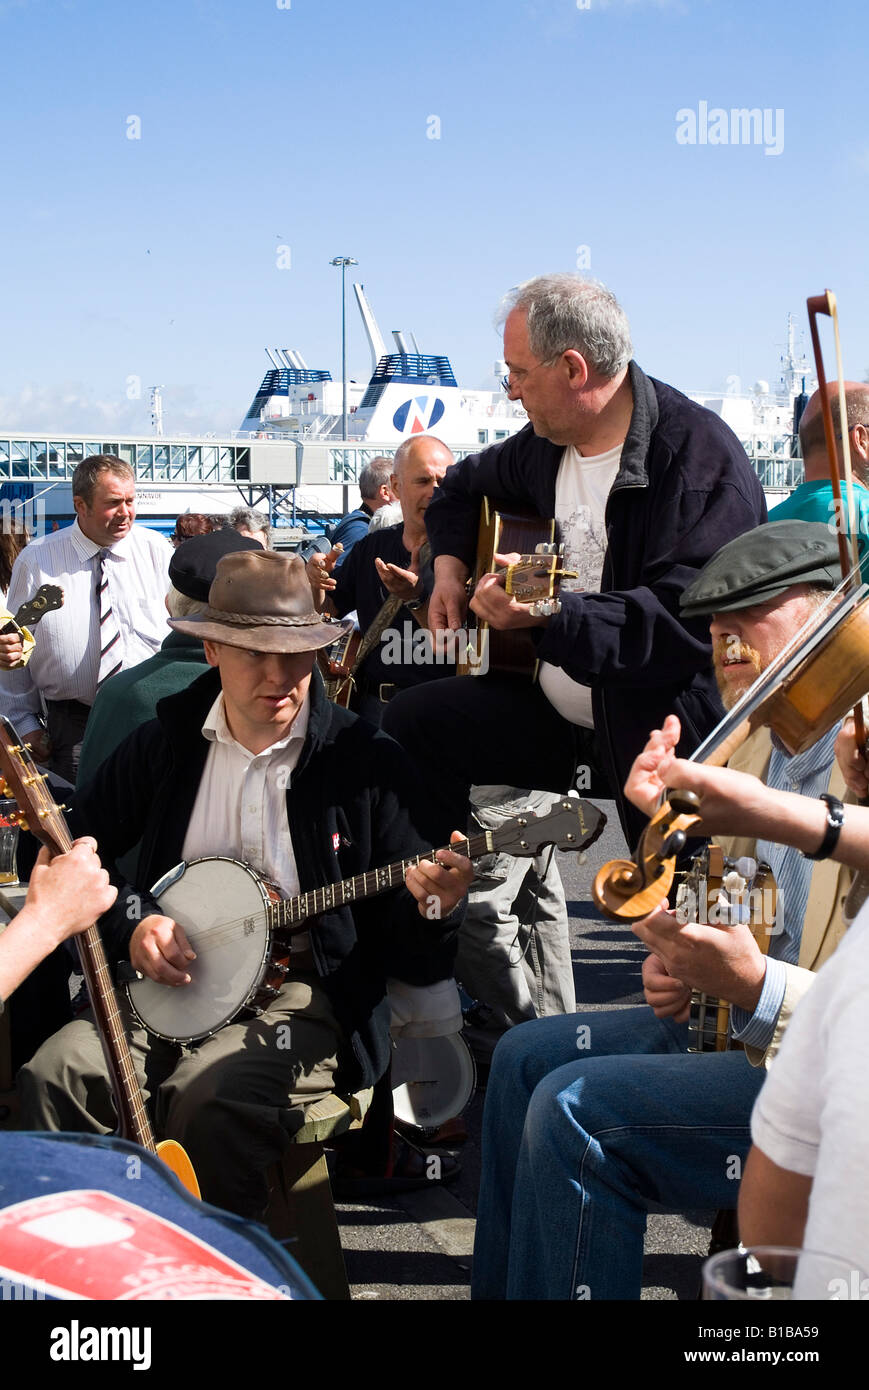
<point>253,763</point>
<point>646,487</point>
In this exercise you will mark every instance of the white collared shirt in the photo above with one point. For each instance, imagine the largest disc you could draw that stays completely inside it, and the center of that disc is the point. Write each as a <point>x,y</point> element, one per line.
<point>65,662</point>
<point>241,805</point>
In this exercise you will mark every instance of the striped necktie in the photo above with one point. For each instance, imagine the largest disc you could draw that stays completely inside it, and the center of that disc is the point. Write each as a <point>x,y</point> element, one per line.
<point>110,658</point>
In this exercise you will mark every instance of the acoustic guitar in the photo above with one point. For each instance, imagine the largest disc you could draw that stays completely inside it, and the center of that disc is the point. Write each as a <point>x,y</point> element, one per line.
<point>534,579</point>
<point>38,813</point>
<point>718,891</point>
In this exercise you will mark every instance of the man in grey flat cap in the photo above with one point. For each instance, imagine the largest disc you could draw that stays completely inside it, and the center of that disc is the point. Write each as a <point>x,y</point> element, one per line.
<point>252,763</point>
<point>591,1118</point>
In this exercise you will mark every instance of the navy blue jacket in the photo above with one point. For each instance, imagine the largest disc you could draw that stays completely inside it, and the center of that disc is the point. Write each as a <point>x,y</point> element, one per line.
<point>352,805</point>
<point>684,488</point>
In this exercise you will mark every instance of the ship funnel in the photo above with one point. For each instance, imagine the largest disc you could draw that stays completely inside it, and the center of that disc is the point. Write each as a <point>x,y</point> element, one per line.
<point>369,323</point>
<point>415,344</point>
<point>400,340</point>
<point>275,361</point>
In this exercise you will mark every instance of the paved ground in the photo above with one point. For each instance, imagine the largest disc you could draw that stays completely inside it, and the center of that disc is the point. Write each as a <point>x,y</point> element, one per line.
<point>418,1245</point>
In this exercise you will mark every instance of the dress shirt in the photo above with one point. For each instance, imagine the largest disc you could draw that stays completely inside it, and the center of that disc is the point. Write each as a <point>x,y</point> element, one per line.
<point>65,662</point>
<point>241,805</point>
<point>809,774</point>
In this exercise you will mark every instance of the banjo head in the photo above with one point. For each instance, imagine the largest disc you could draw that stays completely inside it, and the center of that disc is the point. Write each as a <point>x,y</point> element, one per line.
<point>433,1079</point>
<point>223,907</point>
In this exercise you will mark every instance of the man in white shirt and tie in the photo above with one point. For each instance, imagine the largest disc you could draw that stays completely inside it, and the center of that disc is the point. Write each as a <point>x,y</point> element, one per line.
<point>114,576</point>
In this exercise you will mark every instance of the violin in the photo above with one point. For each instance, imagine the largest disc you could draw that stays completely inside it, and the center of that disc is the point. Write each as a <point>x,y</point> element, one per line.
<point>821,674</point>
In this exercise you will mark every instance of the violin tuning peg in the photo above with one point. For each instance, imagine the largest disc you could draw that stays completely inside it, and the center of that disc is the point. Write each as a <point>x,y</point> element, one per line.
<point>684,803</point>
<point>674,844</point>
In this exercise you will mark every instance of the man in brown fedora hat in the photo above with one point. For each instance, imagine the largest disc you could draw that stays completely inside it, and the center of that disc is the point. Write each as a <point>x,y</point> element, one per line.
<point>253,763</point>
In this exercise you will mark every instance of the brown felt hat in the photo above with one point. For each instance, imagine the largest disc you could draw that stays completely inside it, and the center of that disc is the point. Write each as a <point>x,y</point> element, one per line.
<point>262,601</point>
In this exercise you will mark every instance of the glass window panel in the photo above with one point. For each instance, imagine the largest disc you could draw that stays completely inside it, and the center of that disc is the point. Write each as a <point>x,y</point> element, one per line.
<point>342,466</point>
<point>39,458</point>
<point>161,460</point>
<point>20,458</point>
<point>74,453</point>
<point>209,462</point>
<point>144,461</point>
<point>127,452</point>
<point>178,461</point>
<point>91,447</point>
<point>242,464</point>
<point>4,458</point>
<point>194,461</point>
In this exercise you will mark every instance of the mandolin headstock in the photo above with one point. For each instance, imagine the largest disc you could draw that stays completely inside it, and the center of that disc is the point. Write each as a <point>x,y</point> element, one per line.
<point>22,780</point>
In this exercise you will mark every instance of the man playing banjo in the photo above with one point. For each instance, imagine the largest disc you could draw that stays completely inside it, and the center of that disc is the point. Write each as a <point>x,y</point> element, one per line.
<point>253,764</point>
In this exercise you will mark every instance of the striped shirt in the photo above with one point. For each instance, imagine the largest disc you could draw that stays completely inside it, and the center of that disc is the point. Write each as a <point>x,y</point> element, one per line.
<point>809,774</point>
<point>66,659</point>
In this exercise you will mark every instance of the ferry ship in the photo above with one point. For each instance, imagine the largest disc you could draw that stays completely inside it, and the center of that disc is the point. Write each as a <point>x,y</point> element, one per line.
<point>291,459</point>
<point>409,392</point>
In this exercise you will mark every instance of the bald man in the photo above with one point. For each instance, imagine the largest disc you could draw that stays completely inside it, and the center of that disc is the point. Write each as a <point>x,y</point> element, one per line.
<point>388,563</point>
<point>813,499</point>
<point>515,982</point>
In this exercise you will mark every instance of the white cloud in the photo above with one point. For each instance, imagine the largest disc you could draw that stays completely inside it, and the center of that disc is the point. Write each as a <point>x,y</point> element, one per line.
<point>72,409</point>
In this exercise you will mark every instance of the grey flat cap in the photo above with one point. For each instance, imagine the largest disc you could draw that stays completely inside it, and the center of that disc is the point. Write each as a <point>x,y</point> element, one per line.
<point>763,563</point>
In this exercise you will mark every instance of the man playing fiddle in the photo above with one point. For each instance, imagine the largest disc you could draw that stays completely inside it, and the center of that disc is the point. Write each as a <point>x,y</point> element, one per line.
<point>592,1118</point>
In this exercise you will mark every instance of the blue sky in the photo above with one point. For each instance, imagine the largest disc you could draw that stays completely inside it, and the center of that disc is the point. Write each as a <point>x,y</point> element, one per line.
<point>308,127</point>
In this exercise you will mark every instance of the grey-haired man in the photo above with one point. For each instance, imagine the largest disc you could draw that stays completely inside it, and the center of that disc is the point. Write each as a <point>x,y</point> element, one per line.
<point>646,486</point>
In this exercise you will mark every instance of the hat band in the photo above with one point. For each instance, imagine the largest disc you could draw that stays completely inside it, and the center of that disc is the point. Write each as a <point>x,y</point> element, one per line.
<point>261,620</point>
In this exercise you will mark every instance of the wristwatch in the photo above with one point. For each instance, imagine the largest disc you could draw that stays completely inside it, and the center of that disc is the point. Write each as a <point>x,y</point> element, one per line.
<point>413,604</point>
<point>835,821</point>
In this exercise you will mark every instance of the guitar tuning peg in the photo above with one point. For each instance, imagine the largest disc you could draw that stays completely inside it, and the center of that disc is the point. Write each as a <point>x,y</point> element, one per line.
<point>545,548</point>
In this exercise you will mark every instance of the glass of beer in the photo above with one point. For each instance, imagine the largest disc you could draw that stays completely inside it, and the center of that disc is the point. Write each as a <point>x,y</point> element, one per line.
<point>8,840</point>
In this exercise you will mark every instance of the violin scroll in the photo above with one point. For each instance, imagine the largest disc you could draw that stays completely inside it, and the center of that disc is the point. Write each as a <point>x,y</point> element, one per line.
<point>627,890</point>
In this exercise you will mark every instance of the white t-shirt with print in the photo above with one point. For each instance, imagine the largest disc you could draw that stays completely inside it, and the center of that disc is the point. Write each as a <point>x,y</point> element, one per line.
<point>581,491</point>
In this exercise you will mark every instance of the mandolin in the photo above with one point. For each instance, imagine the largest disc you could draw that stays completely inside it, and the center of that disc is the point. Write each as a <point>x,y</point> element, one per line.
<point>38,813</point>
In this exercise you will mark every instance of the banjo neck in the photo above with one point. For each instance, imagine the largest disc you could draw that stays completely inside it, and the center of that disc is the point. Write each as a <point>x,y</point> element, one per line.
<point>292,912</point>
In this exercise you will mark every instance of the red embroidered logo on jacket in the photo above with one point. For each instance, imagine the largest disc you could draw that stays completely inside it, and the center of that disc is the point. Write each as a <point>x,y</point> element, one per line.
<point>336,842</point>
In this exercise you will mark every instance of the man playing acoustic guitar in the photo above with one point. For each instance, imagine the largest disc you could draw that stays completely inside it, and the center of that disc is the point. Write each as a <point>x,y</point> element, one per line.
<point>646,486</point>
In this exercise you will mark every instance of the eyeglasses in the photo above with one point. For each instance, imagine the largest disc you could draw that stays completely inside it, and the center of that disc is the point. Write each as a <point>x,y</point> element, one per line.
<point>523,374</point>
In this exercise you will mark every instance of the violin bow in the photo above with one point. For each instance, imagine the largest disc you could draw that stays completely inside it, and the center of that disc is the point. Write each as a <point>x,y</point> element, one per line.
<point>849,560</point>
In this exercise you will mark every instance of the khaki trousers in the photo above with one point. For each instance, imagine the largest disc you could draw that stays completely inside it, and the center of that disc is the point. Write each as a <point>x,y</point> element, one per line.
<point>233,1101</point>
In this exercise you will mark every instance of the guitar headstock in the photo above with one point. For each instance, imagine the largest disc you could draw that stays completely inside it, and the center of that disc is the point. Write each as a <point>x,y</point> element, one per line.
<point>535,579</point>
<point>571,824</point>
<point>23,781</point>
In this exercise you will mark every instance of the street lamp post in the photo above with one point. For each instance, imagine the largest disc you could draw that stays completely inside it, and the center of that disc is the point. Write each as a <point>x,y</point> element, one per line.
<point>344,261</point>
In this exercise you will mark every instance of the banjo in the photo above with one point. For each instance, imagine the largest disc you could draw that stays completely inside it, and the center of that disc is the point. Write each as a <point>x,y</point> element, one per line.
<point>241,928</point>
<point>719,891</point>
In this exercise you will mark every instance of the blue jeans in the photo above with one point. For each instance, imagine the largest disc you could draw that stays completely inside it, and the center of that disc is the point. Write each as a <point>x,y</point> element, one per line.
<point>589,1119</point>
